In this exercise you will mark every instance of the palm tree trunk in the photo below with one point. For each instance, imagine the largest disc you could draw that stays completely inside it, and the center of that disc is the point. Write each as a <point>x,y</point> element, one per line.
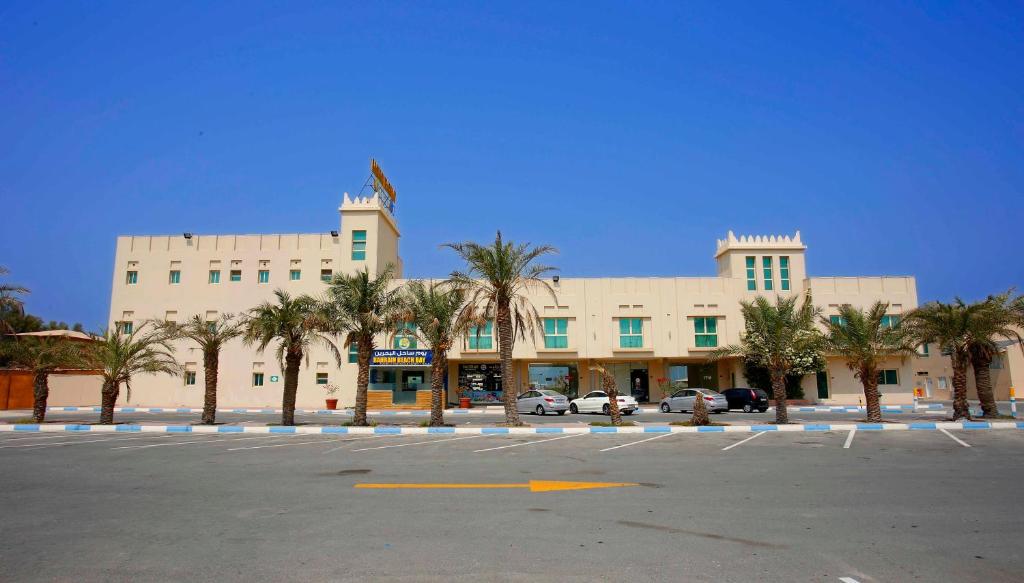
<point>779,393</point>
<point>869,380</point>
<point>211,362</point>
<point>983,383</point>
<point>108,398</point>
<point>504,317</point>
<point>608,384</point>
<point>291,387</point>
<point>960,408</point>
<point>437,372</point>
<point>362,381</point>
<point>700,411</point>
<point>40,393</point>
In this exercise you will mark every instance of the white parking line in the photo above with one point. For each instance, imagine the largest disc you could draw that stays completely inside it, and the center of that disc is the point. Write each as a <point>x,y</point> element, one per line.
<point>23,438</point>
<point>328,440</point>
<point>420,442</point>
<point>74,441</point>
<point>954,438</point>
<point>849,438</point>
<point>848,580</point>
<point>759,434</point>
<point>207,440</point>
<point>530,442</point>
<point>641,441</point>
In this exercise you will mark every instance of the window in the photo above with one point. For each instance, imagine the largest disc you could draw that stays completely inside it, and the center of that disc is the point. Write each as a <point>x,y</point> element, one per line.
<point>481,337</point>
<point>294,275</point>
<point>405,337</point>
<point>888,377</point>
<point>705,332</point>
<point>321,378</point>
<point>263,276</point>
<point>784,273</point>
<point>556,333</point>
<point>923,349</point>
<point>326,275</point>
<point>997,363</point>
<point>353,353</point>
<point>212,327</point>
<point>190,377</point>
<point>174,277</point>
<point>890,321</point>
<point>235,275</point>
<point>257,379</point>
<point>358,245</point>
<point>751,273</point>
<point>766,262</point>
<point>943,383</point>
<point>132,278</point>
<point>126,327</point>
<point>214,276</point>
<point>837,320</point>
<point>631,333</point>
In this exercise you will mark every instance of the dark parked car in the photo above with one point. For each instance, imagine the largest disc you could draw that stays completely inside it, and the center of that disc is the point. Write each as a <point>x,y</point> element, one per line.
<point>747,399</point>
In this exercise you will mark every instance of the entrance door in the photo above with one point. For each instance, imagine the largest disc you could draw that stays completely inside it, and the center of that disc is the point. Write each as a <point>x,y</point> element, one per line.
<point>822,384</point>
<point>638,386</point>
<point>405,392</point>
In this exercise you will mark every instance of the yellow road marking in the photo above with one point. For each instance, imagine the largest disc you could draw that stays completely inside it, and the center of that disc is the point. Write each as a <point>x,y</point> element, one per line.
<point>532,485</point>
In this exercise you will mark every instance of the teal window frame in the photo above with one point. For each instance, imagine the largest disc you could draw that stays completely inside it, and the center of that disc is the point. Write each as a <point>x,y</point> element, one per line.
<point>838,320</point>
<point>924,349</point>
<point>190,378</point>
<point>631,333</point>
<point>131,277</point>
<point>263,276</point>
<point>481,339</point>
<point>353,353</point>
<point>294,274</point>
<point>127,327</point>
<point>889,376</point>
<point>326,275</point>
<point>751,273</point>
<point>405,330</point>
<point>769,278</point>
<point>705,331</point>
<point>784,273</point>
<point>890,321</point>
<point>321,378</point>
<point>214,277</point>
<point>257,379</point>
<point>174,277</point>
<point>235,275</point>
<point>359,245</point>
<point>556,333</point>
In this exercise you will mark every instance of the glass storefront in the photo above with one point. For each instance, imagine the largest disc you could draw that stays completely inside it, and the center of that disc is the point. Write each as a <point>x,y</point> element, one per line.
<point>481,383</point>
<point>403,383</point>
<point>563,378</point>
<point>684,376</point>
<point>631,378</point>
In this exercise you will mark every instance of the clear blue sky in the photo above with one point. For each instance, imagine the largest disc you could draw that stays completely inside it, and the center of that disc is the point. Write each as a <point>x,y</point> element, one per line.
<point>891,134</point>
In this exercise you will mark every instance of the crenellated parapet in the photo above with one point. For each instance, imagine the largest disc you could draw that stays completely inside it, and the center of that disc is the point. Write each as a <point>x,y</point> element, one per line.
<point>759,242</point>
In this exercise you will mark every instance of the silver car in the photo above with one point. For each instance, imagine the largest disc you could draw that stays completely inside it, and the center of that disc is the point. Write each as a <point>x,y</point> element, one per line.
<point>542,401</point>
<point>682,400</point>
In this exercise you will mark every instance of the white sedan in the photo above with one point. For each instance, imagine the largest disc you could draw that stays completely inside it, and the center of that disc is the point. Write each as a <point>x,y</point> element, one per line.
<point>597,402</point>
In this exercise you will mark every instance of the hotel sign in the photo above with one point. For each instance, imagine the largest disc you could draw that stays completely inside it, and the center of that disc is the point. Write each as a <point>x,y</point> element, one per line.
<point>382,186</point>
<point>401,357</point>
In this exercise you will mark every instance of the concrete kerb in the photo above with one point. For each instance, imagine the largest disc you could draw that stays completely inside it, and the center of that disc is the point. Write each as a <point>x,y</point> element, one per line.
<point>393,430</point>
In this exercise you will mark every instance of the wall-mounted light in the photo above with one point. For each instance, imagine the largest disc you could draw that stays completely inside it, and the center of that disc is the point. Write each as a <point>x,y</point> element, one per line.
<point>334,233</point>
<point>554,278</point>
<point>187,235</point>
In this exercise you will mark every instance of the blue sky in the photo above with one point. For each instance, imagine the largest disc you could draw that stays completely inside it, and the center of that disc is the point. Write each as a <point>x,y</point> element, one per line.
<point>891,134</point>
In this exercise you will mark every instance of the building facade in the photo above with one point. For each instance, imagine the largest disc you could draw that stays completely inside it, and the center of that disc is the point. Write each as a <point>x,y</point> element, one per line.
<point>654,333</point>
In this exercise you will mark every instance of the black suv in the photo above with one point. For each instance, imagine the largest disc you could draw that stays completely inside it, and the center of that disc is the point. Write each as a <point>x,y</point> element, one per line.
<point>747,399</point>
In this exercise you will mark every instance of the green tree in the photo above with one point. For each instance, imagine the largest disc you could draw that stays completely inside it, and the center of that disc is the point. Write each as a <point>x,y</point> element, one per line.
<point>995,322</point>
<point>10,302</point>
<point>436,310</point>
<point>290,324</point>
<point>211,337</point>
<point>498,279</point>
<point>121,357</point>
<point>360,307</point>
<point>783,338</point>
<point>865,339</point>
<point>43,356</point>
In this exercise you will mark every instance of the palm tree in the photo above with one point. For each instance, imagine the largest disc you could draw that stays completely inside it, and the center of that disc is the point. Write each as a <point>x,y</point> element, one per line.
<point>497,281</point>
<point>43,356</point>
<point>122,356</point>
<point>782,338</point>
<point>211,338</point>
<point>290,323</point>
<point>361,307</point>
<point>994,323</point>
<point>610,389</point>
<point>865,339</point>
<point>952,328</point>
<point>437,311</point>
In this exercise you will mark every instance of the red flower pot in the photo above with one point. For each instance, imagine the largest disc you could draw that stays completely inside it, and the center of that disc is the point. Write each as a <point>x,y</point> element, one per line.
<point>332,404</point>
<point>463,402</point>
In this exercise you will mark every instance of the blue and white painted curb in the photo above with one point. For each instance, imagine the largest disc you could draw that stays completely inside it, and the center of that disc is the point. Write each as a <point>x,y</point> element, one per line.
<point>395,430</point>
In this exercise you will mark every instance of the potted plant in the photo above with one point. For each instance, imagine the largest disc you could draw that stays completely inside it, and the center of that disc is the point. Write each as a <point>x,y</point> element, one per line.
<point>464,401</point>
<point>332,404</point>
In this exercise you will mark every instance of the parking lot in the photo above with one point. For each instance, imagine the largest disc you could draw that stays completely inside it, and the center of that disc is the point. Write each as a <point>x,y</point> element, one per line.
<point>819,506</point>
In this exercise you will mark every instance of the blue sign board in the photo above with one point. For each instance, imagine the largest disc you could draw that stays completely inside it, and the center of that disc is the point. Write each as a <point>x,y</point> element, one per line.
<point>401,357</point>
